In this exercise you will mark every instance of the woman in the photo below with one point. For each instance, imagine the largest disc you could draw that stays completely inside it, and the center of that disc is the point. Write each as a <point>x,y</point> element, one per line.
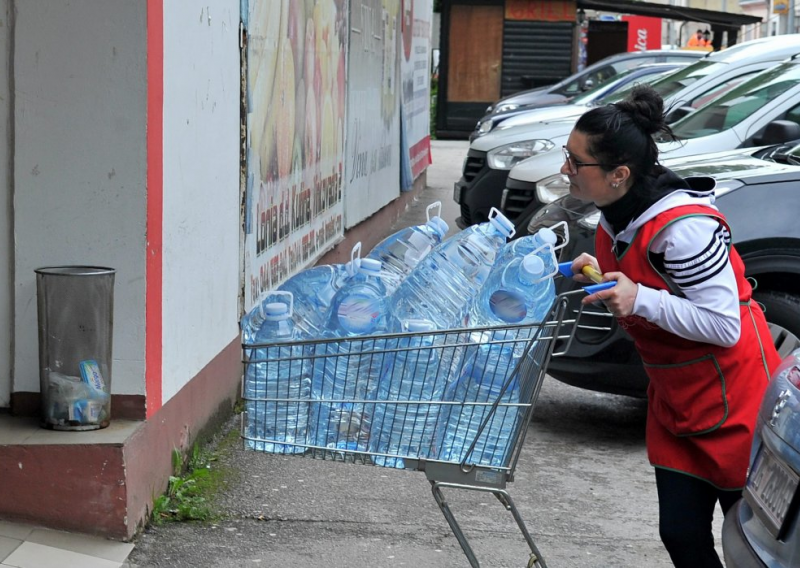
<point>682,295</point>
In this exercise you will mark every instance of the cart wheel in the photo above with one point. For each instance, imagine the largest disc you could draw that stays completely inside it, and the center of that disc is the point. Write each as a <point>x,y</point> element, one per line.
<point>533,562</point>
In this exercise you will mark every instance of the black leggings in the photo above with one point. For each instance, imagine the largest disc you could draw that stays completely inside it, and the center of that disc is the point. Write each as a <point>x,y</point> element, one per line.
<point>686,510</point>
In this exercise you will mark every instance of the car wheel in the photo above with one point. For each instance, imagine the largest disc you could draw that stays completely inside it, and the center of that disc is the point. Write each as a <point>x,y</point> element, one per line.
<point>782,311</point>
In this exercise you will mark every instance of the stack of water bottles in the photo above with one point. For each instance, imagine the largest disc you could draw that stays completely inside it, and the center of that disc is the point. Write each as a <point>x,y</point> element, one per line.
<point>381,395</point>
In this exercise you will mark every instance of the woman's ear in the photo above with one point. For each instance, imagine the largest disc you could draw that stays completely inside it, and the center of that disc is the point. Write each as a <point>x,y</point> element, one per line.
<point>620,176</point>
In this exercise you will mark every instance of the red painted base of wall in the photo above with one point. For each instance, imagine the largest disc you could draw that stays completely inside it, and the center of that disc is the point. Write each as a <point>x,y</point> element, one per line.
<point>107,489</point>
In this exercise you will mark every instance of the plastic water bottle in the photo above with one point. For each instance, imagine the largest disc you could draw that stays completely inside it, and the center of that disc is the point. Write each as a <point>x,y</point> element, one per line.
<point>313,290</point>
<point>443,284</point>
<point>402,251</point>
<point>352,366</point>
<point>544,243</point>
<point>519,293</point>
<point>482,381</point>
<point>275,372</point>
<point>407,429</point>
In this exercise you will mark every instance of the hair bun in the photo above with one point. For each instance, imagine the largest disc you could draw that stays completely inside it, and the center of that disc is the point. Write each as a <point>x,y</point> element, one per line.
<point>645,108</point>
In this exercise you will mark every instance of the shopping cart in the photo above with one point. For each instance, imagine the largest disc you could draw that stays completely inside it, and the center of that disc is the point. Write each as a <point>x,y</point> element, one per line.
<point>440,402</point>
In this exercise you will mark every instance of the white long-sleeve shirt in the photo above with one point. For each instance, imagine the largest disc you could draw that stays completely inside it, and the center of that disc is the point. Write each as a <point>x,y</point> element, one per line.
<point>693,252</point>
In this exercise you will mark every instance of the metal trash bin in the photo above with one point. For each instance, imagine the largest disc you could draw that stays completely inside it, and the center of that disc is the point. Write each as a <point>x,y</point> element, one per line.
<point>76,318</point>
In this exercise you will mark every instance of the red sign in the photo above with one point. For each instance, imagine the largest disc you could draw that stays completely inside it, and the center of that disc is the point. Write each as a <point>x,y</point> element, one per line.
<point>643,33</point>
<point>541,10</point>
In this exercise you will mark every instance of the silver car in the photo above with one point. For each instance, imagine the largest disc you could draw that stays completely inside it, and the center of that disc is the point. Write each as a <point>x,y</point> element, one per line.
<point>763,528</point>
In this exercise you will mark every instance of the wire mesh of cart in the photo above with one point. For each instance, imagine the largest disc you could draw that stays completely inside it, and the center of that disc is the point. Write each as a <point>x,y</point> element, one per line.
<point>454,404</point>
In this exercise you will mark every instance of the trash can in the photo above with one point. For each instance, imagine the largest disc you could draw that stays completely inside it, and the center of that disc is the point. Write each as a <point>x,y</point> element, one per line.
<point>75,307</point>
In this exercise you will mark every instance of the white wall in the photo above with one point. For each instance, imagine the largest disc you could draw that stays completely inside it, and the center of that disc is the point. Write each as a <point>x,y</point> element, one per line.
<point>201,186</point>
<point>6,221</point>
<point>80,164</point>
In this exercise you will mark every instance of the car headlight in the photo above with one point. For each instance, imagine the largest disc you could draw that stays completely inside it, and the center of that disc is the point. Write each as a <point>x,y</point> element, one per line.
<point>552,188</point>
<point>505,107</point>
<point>504,157</point>
<point>485,126</point>
<point>590,221</point>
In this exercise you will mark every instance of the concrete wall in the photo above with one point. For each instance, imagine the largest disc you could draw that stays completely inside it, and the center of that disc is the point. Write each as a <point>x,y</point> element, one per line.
<point>79,164</point>
<point>6,200</point>
<point>201,220</point>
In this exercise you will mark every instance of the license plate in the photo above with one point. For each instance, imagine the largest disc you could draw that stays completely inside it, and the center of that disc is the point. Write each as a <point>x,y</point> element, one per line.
<point>770,488</point>
<point>456,193</point>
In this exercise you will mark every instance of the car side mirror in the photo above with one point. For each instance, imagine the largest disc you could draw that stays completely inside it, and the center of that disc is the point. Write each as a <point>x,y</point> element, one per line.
<point>678,113</point>
<point>777,132</point>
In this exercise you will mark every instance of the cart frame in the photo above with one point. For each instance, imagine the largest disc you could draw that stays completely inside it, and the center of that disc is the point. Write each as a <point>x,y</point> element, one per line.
<point>470,472</point>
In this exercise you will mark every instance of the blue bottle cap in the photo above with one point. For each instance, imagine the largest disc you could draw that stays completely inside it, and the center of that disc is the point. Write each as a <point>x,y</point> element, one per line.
<point>439,225</point>
<point>276,311</point>
<point>547,236</point>
<point>501,223</point>
<point>370,266</point>
<point>418,325</point>
<point>532,265</point>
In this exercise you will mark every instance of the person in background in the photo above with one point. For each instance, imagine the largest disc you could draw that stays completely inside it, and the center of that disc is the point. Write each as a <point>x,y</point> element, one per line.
<point>707,38</point>
<point>697,40</point>
<point>682,295</point>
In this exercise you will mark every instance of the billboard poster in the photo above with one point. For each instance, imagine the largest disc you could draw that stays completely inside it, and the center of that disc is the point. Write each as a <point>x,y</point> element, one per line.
<point>415,25</point>
<point>372,162</point>
<point>295,99</point>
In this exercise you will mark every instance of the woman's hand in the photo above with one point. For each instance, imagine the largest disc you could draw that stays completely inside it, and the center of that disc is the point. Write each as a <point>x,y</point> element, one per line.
<point>584,259</point>
<point>620,299</point>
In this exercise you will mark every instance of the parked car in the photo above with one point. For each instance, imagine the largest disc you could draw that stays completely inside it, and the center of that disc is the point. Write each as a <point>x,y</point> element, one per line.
<point>763,529</point>
<point>590,77</point>
<point>763,110</point>
<point>612,85</point>
<point>541,132</point>
<point>758,190</point>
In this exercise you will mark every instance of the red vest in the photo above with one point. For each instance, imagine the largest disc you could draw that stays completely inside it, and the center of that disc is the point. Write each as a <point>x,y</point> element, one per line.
<point>703,399</point>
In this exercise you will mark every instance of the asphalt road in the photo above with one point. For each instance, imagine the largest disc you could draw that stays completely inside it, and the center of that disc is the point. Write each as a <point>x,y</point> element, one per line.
<point>583,487</point>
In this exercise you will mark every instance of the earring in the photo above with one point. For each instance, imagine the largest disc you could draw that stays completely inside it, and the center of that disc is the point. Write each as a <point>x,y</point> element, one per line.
<point>615,185</point>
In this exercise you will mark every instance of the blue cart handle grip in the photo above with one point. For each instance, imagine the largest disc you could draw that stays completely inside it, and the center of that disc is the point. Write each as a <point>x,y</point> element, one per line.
<point>565,268</point>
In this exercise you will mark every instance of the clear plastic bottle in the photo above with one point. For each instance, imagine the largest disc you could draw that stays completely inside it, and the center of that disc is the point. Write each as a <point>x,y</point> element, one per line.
<point>277,371</point>
<point>402,251</point>
<point>313,290</point>
<point>519,293</point>
<point>443,284</point>
<point>407,429</point>
<point>481,382</point>
<point>348,373</point>
<point>544,242</point>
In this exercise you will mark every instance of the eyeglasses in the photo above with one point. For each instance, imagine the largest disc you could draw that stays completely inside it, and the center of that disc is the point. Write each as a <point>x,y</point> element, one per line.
<point>574,164</point>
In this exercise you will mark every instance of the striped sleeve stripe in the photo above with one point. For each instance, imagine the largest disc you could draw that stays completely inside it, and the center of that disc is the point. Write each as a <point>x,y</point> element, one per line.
<point>721,234</point>
<point>703,266</point>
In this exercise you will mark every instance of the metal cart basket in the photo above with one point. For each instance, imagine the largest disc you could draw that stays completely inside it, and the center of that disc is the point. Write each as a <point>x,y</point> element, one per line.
<point>454,404</point>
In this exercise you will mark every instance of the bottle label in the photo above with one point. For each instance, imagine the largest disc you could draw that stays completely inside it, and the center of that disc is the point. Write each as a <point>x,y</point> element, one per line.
<point>508,306</point>
<point>359,314</point>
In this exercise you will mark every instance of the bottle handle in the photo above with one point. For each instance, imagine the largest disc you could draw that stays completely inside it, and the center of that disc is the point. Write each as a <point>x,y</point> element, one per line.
<point>551,252</point>
<point>432,206</point>
<point>566,234</point>
<point>355,254</point>
<point>496,217</point>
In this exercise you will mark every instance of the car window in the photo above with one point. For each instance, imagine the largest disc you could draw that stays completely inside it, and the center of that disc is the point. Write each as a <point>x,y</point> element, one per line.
<point>627,64</point>
<point>719,90</point>
<point>596,76</point>
<point>676,58</point>
<point>674,82</point>
<point>645,79</point>
<point>739,103</point>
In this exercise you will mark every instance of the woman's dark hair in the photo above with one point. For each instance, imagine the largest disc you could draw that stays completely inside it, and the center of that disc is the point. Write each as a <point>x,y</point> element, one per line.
<point>624,133</point>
